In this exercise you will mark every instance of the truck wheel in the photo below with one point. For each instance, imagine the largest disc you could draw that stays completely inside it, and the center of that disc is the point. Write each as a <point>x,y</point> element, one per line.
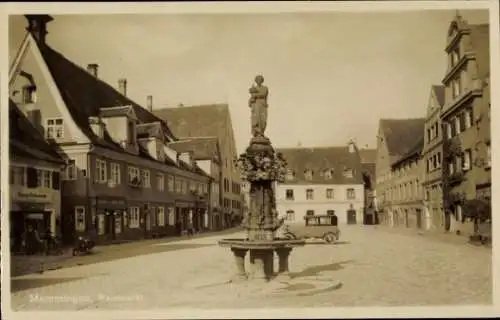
<point>329,237</point>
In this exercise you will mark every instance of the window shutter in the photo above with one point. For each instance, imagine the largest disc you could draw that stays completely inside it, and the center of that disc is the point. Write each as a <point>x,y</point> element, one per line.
<point>56,179</point>
<point>31,178</point>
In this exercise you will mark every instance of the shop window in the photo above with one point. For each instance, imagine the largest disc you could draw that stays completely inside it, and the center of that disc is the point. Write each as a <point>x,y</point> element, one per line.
<point>134,217</point>
<point>100,224</point>
<point>161,216</point>
<point>80,219</point>
<point>118,223</point>
<point>171,216</point>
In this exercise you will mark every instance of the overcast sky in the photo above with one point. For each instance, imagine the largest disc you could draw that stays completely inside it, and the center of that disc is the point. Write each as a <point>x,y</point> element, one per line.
<point>331,76</point>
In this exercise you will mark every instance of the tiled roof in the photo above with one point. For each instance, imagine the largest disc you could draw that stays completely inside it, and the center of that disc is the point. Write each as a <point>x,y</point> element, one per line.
<point>413,151</point>
<point>26,140</point>
<point>368,155</point>
<point>319,159</point>
<point>196,121</point>
<point>402,135</point>
<point>85,95</point>
<point>439,92</point>
<point>480,38</point>
<point>204,148</point>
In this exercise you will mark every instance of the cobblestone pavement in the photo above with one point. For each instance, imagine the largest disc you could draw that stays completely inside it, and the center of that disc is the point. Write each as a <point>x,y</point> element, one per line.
<point>368,267</point>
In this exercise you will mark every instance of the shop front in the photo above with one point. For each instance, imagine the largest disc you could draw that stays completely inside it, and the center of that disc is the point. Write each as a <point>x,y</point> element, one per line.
<point>109,216</point>
<point>36,209</point>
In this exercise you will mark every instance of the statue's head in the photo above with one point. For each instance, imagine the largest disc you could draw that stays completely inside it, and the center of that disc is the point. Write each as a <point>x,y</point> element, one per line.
<point>259,79</point>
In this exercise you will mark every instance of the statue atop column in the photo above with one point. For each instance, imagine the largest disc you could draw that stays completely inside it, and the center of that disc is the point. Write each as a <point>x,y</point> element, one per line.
<point>258,105</point>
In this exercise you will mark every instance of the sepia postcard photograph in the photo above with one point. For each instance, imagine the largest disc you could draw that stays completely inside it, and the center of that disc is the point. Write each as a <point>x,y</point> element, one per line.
<point>249,160</point>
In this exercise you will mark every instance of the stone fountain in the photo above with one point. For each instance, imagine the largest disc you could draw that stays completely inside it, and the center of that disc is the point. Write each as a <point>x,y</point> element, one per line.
<point>262,167</point>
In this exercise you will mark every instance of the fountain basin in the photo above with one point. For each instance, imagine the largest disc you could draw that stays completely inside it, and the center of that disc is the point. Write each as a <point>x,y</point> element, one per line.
<point>261,257</point>
<point>261,244</point>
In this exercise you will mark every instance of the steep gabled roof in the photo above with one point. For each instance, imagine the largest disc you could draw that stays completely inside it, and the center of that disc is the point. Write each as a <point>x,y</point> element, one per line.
<point>204,148</point>
<point>25,140</point>
<point>402,135</point>
<point>85,95</point>
<point>368,155</point>
<point>319,159</point>
<point>439,93</point>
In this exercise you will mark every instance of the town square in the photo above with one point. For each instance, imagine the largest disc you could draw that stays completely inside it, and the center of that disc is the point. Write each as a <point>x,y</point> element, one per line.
<point>250,160</point>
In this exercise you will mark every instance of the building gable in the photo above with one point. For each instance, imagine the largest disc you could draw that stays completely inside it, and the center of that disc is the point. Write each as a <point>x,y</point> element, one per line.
<point>49,101</point>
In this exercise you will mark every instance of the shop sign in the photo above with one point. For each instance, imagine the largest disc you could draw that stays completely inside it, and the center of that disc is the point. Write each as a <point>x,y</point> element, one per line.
<point>30,196</point>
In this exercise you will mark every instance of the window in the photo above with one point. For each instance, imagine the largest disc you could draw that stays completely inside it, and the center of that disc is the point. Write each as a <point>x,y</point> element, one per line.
<point>39,177</point>
<point>80,219</point>
<point>439,159</point>
<point>160,181</point>
<point>145,179</point>
<point>170,183</point>
<point>131,132</point>
<point>466,161</point>
<point>171,216</point>
<point>46,177</point>
<point>134,217</point>
<point>29,94</point>
<point>456,87</point>
<point>309,194</point>
<point>330,212</point>
<point>290,215</point>
<point>348,173</point>
<point>457,125</point>
<point>310,213</point>
<point>115,176</point>
<point>290,174</point>
<point>184,187</point>
<point>467,119</point>
<point>161,216</point>
<point>289,194</point>
<point>351,194</point>
<point>328,174</point>
<point>118,224</point>
<point>308,174</point>
<point>449,132</point>
<point>55,128</point>
<point>451,168</point>
<point>178,185</point>
<point>133,175</point>
<point>329,193</point>
<point>100,171</point>
<point>201,188</point>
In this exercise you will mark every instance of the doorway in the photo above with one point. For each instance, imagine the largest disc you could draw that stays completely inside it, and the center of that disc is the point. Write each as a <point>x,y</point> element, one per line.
<point>109,226</point>
<point>351,216</point>
<point>419,218</point>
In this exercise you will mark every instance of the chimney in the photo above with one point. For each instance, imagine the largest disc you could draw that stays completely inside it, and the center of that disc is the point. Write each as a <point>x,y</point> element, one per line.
<point>122,86</point>
<point>149,103</point>
<point>92,69</point>
<point>37,26</point>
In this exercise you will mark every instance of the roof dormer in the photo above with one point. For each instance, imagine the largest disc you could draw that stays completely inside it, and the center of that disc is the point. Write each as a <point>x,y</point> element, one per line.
<point>308,174</point>
<point>97,126</point>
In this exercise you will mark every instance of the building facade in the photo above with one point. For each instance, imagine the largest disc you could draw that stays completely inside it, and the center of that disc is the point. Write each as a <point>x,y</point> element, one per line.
<point>212,120</point>
<point>322,181</point>
<point>432,155</point>
<point>465,117</point>
<point>206,152</point>
<point>399,197</point>
<point>406,195</point>
<point>34,180</point>
<point>121,181</point>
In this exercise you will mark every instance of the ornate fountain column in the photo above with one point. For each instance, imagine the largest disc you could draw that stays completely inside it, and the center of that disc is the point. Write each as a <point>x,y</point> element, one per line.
<point>262,167</point>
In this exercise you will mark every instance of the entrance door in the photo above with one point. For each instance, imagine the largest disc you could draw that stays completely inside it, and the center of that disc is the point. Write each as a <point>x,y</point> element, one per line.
<point>351,216</point>
<point>148,222</point>
<point>109,226</point>
<point>419,219</point>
